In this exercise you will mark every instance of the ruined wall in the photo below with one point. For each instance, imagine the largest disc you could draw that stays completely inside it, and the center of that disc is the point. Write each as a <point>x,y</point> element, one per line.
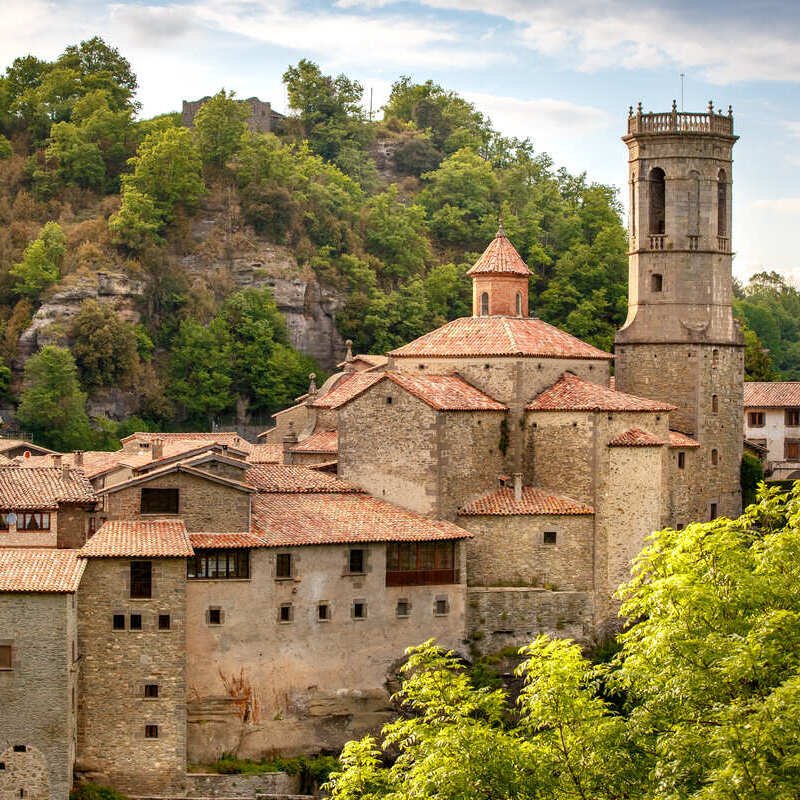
<point>36,694</point>
<point>115,667</point>
<point>257,685</point>
<point>390,449</point>
<point>204,505</point>
<point>510,551</point>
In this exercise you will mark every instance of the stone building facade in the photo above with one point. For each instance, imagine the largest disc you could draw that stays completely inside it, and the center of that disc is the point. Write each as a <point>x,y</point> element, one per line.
<point>262,117</point>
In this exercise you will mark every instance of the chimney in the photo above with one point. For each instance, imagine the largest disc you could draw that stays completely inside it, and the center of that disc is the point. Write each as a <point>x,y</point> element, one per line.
<point>348,358</point>
<point>77,458</point>
<point>312,388</point>
<point>56,459</point>
<point>157,449</point>
<point>289,441</point>
<point>517,487</point>
<point>65,473</point>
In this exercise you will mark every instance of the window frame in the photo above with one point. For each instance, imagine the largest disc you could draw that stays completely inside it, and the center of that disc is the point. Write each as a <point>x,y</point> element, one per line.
<point>409,563</point>
<point>162,508</point>
<point>236,562</point>
<point>756,419</point>
<point>141,588</point>
<point>151,732</point>
<point>288,617</point>
<point>791,445</point>
<point>25,518</point>
<point>791,417</point>
<point>281,574</point>
<point>8,646</point>
<point>363,559</point>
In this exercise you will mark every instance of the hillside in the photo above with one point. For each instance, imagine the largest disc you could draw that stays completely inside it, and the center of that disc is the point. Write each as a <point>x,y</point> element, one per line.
<point>157,275</point>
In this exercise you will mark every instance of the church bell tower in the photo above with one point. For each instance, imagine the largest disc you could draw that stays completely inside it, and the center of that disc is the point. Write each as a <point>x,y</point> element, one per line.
<point>680,342</point>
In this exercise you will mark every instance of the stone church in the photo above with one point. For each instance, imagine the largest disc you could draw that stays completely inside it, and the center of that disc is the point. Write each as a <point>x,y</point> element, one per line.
<point>193,594</point>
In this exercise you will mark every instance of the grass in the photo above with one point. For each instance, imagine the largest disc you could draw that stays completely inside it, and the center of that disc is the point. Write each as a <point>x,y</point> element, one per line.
<point>311,769</point>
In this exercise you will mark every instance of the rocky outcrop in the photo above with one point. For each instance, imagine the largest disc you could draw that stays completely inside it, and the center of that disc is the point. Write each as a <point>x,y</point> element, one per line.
<point>49,323</point>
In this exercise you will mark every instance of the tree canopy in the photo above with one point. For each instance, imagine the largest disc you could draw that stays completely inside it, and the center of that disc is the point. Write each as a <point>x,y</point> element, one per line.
<point>701,700</point>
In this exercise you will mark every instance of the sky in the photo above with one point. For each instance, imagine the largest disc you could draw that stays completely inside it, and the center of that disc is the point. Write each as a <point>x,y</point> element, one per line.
<point>562,72</point>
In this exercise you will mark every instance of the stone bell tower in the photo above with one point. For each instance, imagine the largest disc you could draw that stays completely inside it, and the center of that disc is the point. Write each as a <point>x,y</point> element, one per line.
<point>680,342</point>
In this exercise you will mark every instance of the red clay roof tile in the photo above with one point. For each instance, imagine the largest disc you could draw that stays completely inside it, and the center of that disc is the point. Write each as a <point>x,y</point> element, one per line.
<point>23,487</point>
<point>571,393</point>
<point>636,437</point>
<point>500,257</point>
<point>347,387</point>
<point>678,439</point>
<point>33,569</point>
<point>126,538</point>
<point>502,502</point>
<point>524,337</point>
<point>318,442</point>
<point>224,541</point>
<point>284,520</point>
<point>771,394</point>
<point>295,479</point>
<point>266,454</point>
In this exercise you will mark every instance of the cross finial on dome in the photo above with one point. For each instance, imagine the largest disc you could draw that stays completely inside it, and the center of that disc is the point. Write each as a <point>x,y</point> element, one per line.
<point>501,231</point>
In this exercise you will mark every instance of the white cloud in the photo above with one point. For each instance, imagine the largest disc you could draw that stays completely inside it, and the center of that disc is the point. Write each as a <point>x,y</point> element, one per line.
<point>781,205</point>
<point>724,44</point>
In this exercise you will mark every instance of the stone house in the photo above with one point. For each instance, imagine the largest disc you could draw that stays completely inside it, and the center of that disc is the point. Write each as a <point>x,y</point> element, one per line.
<point>262,118</point>
<point>772,421</point>
<point>45,506</point>
<point>39,659</point>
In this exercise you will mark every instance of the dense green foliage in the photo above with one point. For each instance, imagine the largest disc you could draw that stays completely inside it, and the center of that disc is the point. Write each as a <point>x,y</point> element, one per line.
<point>390,213</point>
<point>91,791</point>
<point>705,690</point>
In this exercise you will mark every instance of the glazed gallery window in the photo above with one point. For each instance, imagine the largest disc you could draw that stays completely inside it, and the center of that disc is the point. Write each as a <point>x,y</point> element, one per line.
<point>159,501</point>
<point>420,563</point>
<point>219,564</point>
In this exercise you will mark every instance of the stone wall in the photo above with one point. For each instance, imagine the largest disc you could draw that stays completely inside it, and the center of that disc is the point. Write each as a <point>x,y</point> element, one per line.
<point>73,525</point>
<point>116,665</point>
<point>258,686</point>
<point>249,786</point>
<point>36,694</point>
<point>205,505</point>
<point>510,551</point>
<point>502,290</point>
<point>499,617</point>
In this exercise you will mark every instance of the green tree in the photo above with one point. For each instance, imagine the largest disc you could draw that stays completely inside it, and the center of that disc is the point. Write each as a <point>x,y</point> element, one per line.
<point>41,262</point>
<point>52,405</point>
<point>138,222</point>
<point>219,126</point>
<point>104,346</point>
<point>5,148</point>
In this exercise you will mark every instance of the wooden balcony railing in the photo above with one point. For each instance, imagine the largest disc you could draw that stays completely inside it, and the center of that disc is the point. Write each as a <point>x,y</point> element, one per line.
<point>421,577</point>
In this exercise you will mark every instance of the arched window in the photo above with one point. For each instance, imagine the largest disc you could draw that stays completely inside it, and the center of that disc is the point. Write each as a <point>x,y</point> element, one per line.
<point>657,181</point>
<point>715,357</point>
<point>519,304</point>
<point>633,206</point>
<point>714,404</point>
<point>722,203</point>
<point>714,458</point>
<point>656,282</point>
<point>485,304</point>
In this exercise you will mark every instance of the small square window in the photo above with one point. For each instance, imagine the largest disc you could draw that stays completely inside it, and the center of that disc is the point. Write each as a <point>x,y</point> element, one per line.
<point>285,612</point>
<point>355,562</point>
<point>549,537</point>
<point>681,460</point>
<point>403,608</point>
<point>214,616</point>
<point>118,622</point>
<point>5,657</point>
<point>20,748</point>
<point>359,609</point>
<point>164,622</point>
<point>151,690</point>
<point>656,282</point>
<point>151,731</point>
<point>136,622</point>
<point>756,419</point>
<point>284,566</point>
<point>441,607</point>
<point>389,401</point>
<point>323,612</point>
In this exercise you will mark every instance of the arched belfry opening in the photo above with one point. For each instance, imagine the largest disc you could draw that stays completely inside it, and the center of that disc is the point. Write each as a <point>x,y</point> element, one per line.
<point>722,203</point>
<point>484,304</point>
<point>657,211</point>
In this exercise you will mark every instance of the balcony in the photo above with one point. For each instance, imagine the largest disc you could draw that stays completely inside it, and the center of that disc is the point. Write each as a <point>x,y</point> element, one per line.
<point>681,121</point>
<point>723,244</point>
<point>657,241</point>
<point>421,577</point>
<point>694,242</point>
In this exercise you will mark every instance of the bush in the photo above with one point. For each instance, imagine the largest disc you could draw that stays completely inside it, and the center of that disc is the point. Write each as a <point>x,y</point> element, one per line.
<point>91,791</point>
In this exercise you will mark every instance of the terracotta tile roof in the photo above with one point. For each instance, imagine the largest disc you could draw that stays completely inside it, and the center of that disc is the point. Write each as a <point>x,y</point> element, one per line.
<point>501,502</point>
<point>318,442</point>
<point>636,437</point>
<point>230,438</point>
<point>127,538</point>
<point>500,257</point>
<point>227,541</point>
<point>571,393</point>
<point>678,439</point>
<point>12,444</point>
<point>23,487</point>
<point>266,454</point>
<point>524,337</point>
<point>293,478</point>
<point>283,520</point>
<point>771,394</point>
<point>346,388</point>
<point>373,361</point>
<point>32,569</point>
<point>612,382</point>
